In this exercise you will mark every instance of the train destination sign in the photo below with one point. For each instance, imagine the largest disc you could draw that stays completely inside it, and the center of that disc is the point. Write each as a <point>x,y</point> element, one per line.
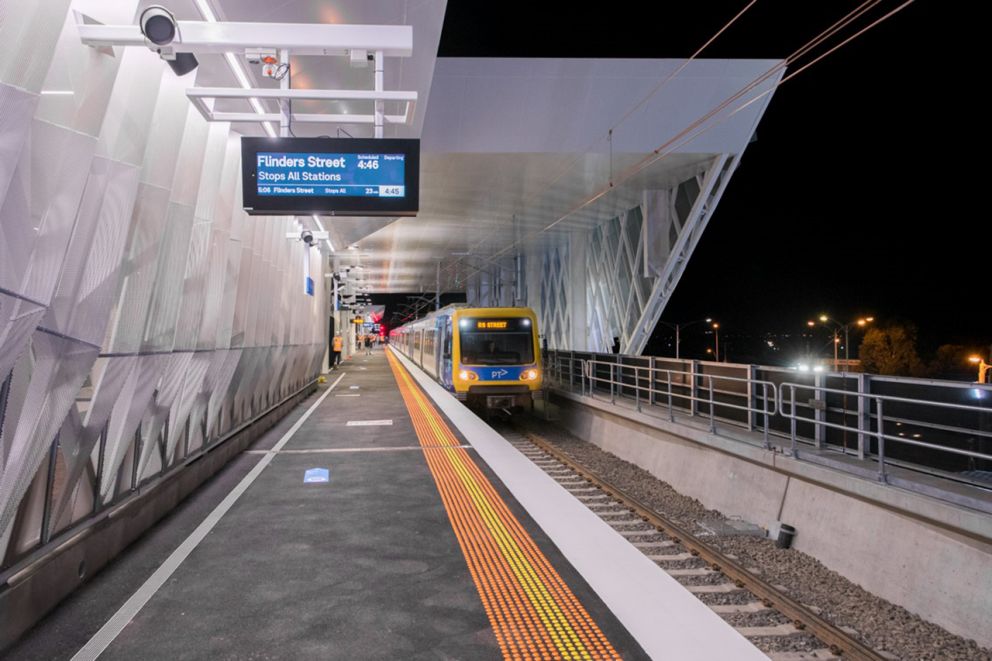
<point>356,177</point>
<point>517,324</point>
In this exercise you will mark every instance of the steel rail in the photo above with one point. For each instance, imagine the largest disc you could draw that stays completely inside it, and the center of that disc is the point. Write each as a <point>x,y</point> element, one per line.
<point>802,617</point>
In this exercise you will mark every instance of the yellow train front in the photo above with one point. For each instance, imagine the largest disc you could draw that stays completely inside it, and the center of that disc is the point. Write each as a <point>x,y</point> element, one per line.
<point>487,357</point>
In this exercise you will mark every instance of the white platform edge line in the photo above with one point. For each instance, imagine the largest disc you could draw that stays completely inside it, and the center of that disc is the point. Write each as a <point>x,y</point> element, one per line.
<point>102,639</point>
<point>662,616</point>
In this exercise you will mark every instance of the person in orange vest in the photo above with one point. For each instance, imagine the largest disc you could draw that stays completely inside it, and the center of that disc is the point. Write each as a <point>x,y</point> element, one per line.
<point>336,351</point>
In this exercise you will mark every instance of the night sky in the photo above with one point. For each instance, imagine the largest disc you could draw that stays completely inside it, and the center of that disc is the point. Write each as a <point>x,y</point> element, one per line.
<point>855,199</point>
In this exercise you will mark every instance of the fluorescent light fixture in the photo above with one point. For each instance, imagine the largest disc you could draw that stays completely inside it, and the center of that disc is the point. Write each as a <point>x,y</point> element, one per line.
<point>57,92</point>
<point>207,12</point>
<point>239,72</point>
<point>316,219</point>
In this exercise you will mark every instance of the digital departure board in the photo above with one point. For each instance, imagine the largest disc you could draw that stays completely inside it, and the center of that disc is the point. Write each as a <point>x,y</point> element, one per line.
<point>332,176</point>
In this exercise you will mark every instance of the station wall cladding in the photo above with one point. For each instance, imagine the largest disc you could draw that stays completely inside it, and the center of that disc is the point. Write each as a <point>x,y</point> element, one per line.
<point>144,317</point>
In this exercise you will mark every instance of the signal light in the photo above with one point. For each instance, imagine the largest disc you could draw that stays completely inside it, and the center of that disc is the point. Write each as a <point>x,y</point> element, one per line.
<point>466,375</point>
<point>529,375</point>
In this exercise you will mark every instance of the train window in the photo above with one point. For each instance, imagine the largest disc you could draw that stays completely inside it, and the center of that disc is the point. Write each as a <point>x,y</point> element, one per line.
<point>496,341</point>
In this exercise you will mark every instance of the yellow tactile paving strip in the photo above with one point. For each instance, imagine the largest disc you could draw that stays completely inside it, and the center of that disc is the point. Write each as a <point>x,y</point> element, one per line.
<point>532,611</point>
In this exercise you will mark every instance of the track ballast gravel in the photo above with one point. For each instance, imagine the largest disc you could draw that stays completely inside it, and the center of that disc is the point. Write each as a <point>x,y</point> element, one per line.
<point>886,627</point>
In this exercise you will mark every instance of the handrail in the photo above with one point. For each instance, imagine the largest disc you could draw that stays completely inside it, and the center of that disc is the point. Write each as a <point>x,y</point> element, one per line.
<point>879,400</point>
<point>694,391</point>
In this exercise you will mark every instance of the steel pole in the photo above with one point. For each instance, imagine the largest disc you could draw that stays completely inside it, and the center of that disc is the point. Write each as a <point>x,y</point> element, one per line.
<point>836,342</point>
<point>847,350</point>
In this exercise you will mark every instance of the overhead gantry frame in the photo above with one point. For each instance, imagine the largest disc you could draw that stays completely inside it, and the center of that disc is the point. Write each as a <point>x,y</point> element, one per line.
<point>222,38</point>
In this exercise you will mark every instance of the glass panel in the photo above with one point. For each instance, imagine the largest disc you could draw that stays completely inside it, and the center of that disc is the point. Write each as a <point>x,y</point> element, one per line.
<point>511,344</point>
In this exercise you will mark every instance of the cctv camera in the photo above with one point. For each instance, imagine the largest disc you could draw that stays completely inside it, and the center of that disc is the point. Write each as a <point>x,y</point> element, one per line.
<point>160,29</point>
<point>158,25</point>
<point>307,237</point>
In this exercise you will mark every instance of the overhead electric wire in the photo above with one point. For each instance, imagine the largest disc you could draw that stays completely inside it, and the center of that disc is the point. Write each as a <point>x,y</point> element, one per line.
<point>686,136</point>
<point>799,70</point>
<point>668,147</point>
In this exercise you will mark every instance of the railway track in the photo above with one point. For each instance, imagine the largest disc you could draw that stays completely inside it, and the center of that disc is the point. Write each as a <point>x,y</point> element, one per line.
<point>758,610</point>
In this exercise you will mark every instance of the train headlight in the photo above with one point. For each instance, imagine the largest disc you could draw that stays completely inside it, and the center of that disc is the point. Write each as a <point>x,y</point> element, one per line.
<point>466,375</point>
<point>529,375</point>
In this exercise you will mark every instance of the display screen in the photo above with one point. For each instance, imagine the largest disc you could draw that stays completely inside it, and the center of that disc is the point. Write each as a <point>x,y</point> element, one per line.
<point>334,176</point>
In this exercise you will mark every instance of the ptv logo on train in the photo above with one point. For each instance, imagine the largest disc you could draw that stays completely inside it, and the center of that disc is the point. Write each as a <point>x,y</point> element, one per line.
<point>509,373</point>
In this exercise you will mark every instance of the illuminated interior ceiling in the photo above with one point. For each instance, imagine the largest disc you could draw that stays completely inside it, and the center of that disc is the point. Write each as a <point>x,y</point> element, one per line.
<point>510,146</point>
<point>514,147</point>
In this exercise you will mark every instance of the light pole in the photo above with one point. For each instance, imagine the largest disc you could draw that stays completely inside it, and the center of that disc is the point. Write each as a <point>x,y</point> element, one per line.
<point>716,329</point>
<point>837,327</point>
<point>678,330</point>
<point>983,368</point>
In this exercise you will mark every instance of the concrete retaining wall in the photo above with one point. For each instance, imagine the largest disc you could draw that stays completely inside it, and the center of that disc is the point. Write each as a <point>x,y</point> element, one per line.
<point>927,564</point>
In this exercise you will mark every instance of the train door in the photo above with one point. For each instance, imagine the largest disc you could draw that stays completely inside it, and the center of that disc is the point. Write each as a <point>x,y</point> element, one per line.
<point>438,349</point>
<point>445,375</point>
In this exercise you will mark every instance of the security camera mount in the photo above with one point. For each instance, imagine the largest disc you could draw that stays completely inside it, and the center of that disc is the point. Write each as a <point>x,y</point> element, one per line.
<point>357,43</point>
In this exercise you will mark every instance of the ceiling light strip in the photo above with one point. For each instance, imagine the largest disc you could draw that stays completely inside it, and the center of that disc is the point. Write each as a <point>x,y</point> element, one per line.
<point>207,12</point>
<point>316,219</point>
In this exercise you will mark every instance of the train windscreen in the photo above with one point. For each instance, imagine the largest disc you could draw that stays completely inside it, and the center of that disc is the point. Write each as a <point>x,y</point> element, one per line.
<point>496,341</point>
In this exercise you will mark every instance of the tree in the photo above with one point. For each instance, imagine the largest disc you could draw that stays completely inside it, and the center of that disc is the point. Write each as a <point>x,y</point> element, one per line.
<point>891,350</point>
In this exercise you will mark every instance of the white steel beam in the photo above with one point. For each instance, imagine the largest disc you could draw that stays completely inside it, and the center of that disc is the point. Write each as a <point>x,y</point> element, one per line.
<point>305,118</point>
<point>295,94</point>
<point>714,183</point>
<point>302,39</point>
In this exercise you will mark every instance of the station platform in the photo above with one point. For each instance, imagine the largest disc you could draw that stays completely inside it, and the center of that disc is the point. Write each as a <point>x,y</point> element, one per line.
<point>386,521</point>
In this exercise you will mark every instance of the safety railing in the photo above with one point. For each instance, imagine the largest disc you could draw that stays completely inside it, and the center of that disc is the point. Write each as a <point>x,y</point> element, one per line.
<point>688,389</point>
<point>872,421</point>
<point>939,427</point>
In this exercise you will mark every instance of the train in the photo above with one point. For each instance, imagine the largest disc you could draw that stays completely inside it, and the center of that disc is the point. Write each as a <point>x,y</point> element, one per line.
<point>490,358</point>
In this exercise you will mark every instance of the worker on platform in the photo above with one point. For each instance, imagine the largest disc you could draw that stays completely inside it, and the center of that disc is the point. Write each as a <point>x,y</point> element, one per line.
<point>336,348</point>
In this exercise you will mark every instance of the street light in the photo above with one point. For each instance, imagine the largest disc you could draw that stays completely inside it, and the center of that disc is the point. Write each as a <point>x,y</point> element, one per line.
<point>678,330</point>
<point>716,328</point>
<point>983,367</point>
<point>846,328</point>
